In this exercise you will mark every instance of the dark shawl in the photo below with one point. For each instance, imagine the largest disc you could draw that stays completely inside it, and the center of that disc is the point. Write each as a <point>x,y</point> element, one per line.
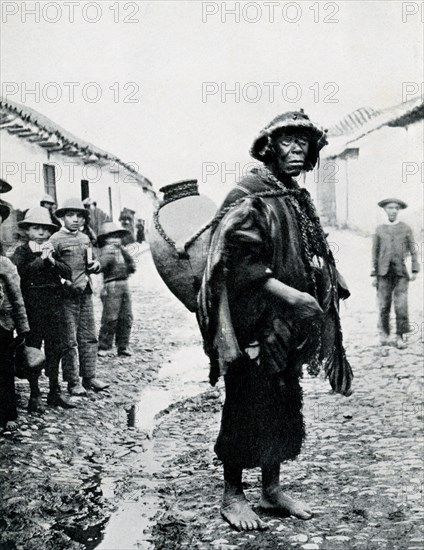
<point>266,230</point>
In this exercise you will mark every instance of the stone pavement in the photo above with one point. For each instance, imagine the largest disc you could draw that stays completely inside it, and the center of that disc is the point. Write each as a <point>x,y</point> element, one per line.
<point>361,466</point>
<point>362,462</point>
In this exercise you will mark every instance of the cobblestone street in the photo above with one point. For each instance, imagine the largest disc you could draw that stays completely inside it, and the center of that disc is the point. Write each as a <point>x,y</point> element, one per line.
<point>266,160</point>
<point>361,467</point>
<point>141,473</point>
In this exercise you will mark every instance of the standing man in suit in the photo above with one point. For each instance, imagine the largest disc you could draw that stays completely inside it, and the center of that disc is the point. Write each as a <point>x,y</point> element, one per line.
<point>393,242</point>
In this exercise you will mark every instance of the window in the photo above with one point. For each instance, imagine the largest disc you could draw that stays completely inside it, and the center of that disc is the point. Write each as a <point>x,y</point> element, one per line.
<point>85,189</point>
<point>110,204</point>
<point>49,173</point>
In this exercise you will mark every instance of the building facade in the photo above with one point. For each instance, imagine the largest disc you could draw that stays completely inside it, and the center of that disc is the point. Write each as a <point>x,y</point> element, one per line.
<point>39,157</point>
<point>372,156</point>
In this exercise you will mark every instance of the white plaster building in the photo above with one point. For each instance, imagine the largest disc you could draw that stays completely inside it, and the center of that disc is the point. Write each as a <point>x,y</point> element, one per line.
<point>372,155</point>
<point>38,157</point>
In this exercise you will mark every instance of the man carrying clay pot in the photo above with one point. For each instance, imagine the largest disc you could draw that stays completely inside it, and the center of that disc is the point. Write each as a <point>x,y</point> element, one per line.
<point>269,304</point>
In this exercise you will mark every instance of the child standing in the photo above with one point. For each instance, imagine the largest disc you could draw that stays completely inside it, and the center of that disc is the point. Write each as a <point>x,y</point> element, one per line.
<point>80,341</point>
<point>12,317</point>
<point>41,273</point>
<point>117,265</point>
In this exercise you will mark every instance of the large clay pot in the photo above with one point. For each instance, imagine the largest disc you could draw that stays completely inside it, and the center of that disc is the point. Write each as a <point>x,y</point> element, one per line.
<point>179,259</point>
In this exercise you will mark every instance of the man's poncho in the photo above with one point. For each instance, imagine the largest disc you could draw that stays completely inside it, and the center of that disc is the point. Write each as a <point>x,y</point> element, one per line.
<point>268,230</point>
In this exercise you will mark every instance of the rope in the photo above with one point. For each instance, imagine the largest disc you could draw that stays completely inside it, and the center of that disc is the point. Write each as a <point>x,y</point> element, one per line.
<point>214,221</point>
<point>171,196</point>
<point>314,243</point>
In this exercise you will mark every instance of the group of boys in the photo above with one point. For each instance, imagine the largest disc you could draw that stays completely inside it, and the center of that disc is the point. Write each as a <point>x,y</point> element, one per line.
<point>48,298</point>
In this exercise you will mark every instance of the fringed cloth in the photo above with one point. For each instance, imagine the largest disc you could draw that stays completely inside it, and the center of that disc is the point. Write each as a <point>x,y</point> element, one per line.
<point>281,231</point>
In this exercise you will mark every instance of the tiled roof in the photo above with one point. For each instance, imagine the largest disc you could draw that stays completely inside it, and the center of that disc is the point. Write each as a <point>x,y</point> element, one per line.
<point>352,122</point>
<point>28,124</point>
<point>366,120</point>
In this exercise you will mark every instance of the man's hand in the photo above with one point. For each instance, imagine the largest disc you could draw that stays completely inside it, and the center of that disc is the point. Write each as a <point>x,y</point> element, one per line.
<point>306,307</point>
<point>413,277</point>
<point>303,305</point>
<point>94,267</point>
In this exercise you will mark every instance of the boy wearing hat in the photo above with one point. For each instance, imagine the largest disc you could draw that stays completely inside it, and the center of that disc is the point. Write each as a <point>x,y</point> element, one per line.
<point>49,203</point>
<point>117,265</point>
<point>80,342</point>
<point>12,317</point>
<point>392,242</point>
<point>127,219</point>
<point>41,273</point>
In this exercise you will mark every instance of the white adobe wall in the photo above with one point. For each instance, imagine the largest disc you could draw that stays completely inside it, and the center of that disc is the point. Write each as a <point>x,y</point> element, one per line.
<point>22,166</point>
<point>379,172</point>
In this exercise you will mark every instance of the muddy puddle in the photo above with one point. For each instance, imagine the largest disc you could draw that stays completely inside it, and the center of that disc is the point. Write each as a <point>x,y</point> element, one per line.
<point>184,376</point>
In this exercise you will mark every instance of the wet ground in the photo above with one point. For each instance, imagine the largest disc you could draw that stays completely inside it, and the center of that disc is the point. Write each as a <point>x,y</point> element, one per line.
<point>134,468</point>
<point>62,474</point>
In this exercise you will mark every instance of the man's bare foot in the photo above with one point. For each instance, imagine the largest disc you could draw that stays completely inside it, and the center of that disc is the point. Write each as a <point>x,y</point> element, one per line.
<point>278,501</point>
<point>236,510</point>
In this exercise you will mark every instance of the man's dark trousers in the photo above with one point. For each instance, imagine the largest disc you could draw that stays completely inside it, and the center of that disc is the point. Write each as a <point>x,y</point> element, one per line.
<point>391,285</point>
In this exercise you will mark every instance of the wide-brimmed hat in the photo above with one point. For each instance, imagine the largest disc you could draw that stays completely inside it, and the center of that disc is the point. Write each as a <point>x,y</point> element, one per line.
<point>37,216</point>
<point>292,120</point>
<point>385,202</point>
<point>5,210</point>
<point>48,198</point>
<point>71,204</point>
<point>4,186</point>
<point>110,229</point>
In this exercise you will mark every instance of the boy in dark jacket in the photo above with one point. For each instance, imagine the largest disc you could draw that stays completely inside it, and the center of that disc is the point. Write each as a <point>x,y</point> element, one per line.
<point>41,274</point>
<point>117,265</point>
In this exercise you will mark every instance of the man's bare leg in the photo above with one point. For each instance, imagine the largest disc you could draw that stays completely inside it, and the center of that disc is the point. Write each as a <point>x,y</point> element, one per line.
<point>273,497</point>
<point>235,507</point>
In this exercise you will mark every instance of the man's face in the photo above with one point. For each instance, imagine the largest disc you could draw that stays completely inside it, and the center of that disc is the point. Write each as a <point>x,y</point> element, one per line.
<point>73,220</point>
<point>392,210</point>
<point>292,149</point>
<point>38,233</point>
